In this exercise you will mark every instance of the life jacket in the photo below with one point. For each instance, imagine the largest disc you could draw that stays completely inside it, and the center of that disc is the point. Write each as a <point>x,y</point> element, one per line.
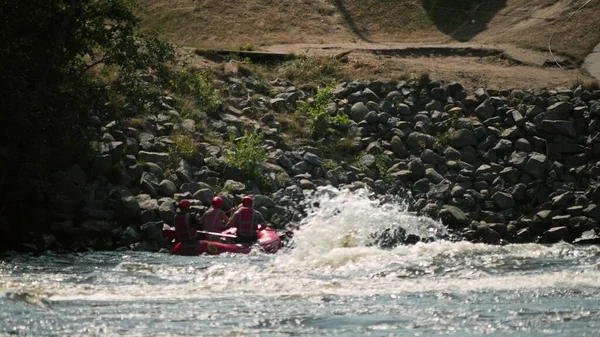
<point>246,224</point>
<point>182,227</point>
<point>213,222</point>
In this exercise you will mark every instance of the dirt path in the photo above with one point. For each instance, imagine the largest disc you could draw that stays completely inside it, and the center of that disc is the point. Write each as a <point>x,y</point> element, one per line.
<point>474,65</point>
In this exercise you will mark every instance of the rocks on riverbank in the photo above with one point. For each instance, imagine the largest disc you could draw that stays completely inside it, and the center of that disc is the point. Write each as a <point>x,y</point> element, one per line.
<point>494,166</point>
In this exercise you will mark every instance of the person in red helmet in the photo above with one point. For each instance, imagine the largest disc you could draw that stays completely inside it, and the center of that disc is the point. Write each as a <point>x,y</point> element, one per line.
<point>186,223</point>
<point>214,219</point>
<point>246,219</point>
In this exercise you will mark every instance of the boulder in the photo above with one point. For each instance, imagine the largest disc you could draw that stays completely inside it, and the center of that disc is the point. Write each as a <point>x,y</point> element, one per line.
<point>565,128</point>
<point>149,184</point>
<point>536,165</point>
<point>418,142</point>
<point>167,188</point>
<point>154,157</point>
<point>503,200</point>
<point>358,112</point>
<point>398,147</point>
<point>234,186</point>
<point>461,138</point>
<point>453,217</point>
<point>205,195</point>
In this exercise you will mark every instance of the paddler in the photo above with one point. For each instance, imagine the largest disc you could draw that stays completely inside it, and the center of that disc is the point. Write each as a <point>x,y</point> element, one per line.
<point>246,219</point>
<point>215,219</point>
<point>186,223</point>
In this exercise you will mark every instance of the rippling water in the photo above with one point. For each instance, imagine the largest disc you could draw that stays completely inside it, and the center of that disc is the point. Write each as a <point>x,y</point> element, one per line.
<point>330,284</point>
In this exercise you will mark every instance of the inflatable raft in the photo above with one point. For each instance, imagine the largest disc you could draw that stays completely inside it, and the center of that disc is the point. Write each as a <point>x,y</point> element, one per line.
<point>268,242</point>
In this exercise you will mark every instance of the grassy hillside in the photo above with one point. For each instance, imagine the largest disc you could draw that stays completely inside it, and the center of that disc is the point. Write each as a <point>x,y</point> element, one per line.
<point>230,23</point>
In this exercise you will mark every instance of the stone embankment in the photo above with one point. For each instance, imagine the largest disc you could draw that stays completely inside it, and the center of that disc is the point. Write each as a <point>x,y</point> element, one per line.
<point>494,166</point>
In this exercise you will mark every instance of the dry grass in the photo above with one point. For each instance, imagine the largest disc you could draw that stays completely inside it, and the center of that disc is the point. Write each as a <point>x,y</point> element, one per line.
<point>138,123</point>
<point>294,127</point>
<point>230,24</point>
<point>588,84</point>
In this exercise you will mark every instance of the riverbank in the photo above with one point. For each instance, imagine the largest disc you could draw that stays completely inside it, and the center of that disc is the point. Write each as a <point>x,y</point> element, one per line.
<point>494,166</point>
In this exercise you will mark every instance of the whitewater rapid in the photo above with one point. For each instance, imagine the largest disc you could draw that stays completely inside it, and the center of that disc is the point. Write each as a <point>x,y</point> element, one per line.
<point>333,282</point>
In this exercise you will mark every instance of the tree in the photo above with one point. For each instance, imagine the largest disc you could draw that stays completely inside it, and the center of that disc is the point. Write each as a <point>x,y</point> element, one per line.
<point>65,64</point>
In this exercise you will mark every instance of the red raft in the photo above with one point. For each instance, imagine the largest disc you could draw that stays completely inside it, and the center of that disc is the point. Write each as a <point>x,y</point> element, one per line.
<point>268,242</point>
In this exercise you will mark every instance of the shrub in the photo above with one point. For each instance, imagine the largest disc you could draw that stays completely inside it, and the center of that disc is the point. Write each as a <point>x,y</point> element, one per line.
<point>184,147</point>
<point>198,85</point>
<point>311,69</point>
<point>246,47</point>
<point>248,155</point>
<point>321,122</point>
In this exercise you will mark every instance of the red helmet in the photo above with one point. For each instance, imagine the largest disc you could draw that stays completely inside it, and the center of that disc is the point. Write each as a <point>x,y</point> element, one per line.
<point>247,201</point>
<point>217,202</point>
<point>184,205</point>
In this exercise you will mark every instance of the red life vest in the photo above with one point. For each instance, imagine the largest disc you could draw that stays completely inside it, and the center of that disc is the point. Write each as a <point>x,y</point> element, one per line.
<point>212,220</point>
<point>182,227</point>
<point>246,224</point>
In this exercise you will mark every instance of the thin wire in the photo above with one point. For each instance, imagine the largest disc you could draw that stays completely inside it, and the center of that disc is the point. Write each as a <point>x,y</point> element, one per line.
<point>552,35</point>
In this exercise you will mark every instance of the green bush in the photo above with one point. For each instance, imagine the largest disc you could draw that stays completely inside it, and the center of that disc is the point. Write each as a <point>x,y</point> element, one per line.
<point>67,68</point>
<point>248,155</point>
<point>246,47</point>
<point>321,122</point>
<point>184,147</point>
<point>198,85</point>
<point>311,69</point>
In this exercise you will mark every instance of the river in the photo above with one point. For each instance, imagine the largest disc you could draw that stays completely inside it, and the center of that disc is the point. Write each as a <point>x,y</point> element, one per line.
<point>330,284</point>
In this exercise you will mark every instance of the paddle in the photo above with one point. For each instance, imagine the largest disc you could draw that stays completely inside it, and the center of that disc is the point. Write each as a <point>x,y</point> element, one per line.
<point>218,234</point>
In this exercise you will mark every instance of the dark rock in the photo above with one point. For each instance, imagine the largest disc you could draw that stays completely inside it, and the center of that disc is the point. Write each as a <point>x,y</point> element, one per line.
<point>359,111</point>
<point>565,128</point>
<point>503,200</point>
<point>398,147</point>
<point>536,165</point>
<point>453,217</point>
<point>556,234</point>
<point>461,138</point>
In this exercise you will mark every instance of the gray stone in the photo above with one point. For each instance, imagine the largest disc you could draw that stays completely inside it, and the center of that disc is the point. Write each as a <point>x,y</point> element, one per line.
<point>485,110</point>
<point>300,168</point>
<point>433,176</point>
<point>358,112</point>
<point>565,128</point>
<point>127,208</point>
<point>205,195</point>
<point>419,141</point>
<point>522,144</point>
<point>536,165</point>
<point>398,147</point>
<point>167,188</point>
<point>65,196</point>
<point>192,188</point>
<point>430,157</point>
<point>461,138</point>
<point>129,236</point>
<point>416,168</point>
<point>154,157</point>
<point>421,186</point>
<point>312,159</point>
<point>306,184</point>
<point>560,110</point>
<point>557,234</point>
<point>167,210</point>
<point>149,183</point>
<point>234,186</point>
<point>503,200</point>
<point>563,200</point>
<point>453,217</point>
<point>440,191</point>
<point>403,109</point>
